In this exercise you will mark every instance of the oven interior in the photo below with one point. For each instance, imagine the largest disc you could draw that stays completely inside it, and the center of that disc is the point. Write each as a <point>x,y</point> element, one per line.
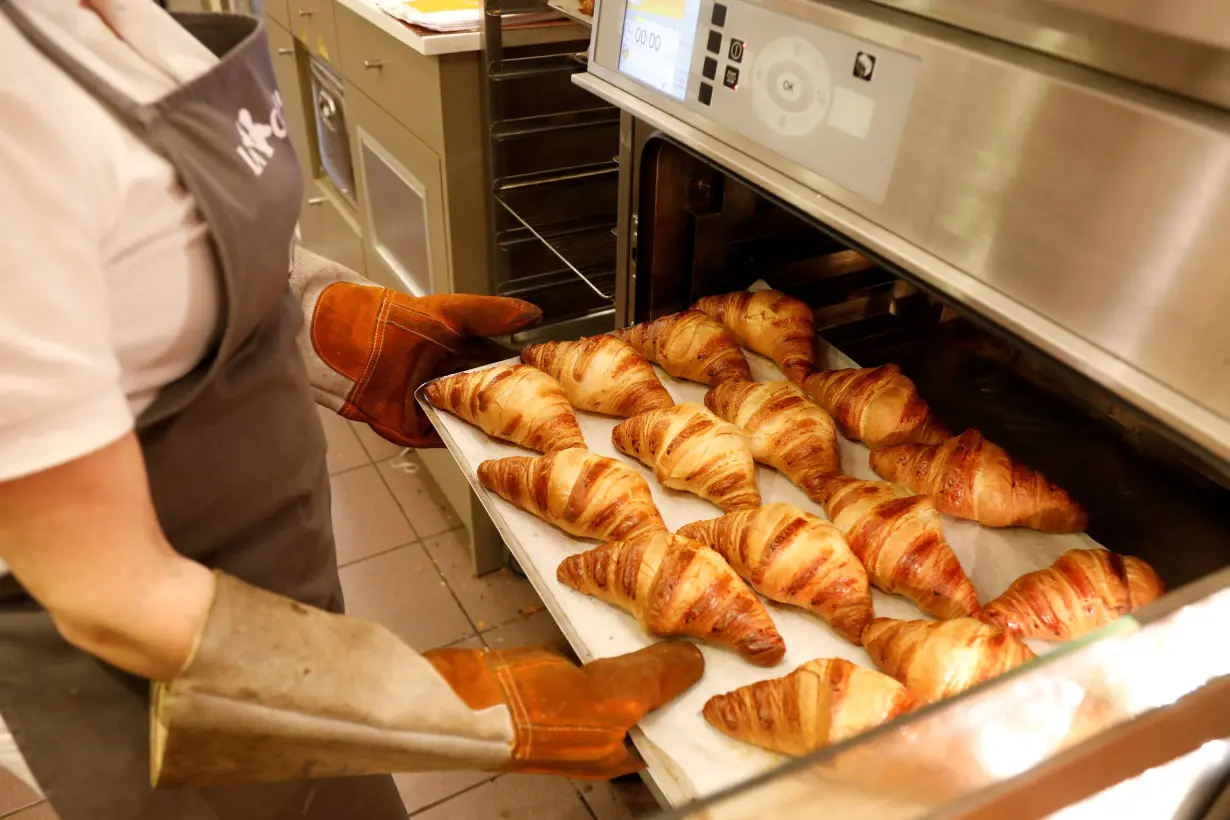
<point>701,230</point>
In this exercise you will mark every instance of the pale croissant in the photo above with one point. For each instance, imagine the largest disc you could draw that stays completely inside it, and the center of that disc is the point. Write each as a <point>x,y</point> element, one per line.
<point>674,586</point>
<point>878,406</point>
<point>969,477</point>
<point>822,702</point>
<point>514,402</point>
<point>1080,592</point>
<point>583,494</point>
<point>691,449</point>
<point>793,557</point>
<point>786,430</point>
<point>770,323</point>
<point>601,374</point>
<point>938,659</point>
<point>690,345</point>
<point>900,540</point>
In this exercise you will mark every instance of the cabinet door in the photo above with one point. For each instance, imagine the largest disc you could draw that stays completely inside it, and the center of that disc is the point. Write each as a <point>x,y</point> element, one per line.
<point>326,228</point>
<point>401,202</point>
<point>291,87</point>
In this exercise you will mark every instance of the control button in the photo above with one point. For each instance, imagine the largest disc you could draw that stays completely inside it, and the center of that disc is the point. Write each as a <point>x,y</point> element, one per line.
<point>714,46</point>
<point>736,50</point>
<point>791,86</point>
<point>710,69</point>
<point>788,88</point>
<point>731,80</point>
<point>706,94</point>
<point>719,15</point>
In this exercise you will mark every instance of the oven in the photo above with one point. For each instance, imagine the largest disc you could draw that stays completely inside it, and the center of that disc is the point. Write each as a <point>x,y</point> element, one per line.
<point>1033,221</point>
<point>332,136</point>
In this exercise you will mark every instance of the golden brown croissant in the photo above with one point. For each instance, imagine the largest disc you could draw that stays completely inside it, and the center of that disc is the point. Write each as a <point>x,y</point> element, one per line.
<point>796,558</point>
<point>581,493</point>
<point>1080,592</point>
<point>601,374</point>
<point>690,345</point>
<point>674,586</point>
<point>514,402</point>
<point>899,539</point>
<point>770,323</point>
<point>969,477</point>
<point>691,449</point>
<point>878,406</point>
<point>785,429</point>
<point>938,659</point>
<point>823,701</point>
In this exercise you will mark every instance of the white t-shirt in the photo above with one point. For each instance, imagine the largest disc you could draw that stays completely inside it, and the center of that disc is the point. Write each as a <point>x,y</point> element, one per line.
<point>107,284</point>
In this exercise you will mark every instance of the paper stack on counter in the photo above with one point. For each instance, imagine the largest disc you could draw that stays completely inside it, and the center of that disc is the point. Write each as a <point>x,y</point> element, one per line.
<point>450,15</point>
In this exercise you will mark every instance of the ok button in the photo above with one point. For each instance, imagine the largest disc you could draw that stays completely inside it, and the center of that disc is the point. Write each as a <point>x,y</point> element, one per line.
<point>789,86</point>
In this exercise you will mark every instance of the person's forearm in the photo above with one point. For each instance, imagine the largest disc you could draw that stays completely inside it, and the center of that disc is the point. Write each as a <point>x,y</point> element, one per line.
<point>149,632</point>
<point>84,541</point>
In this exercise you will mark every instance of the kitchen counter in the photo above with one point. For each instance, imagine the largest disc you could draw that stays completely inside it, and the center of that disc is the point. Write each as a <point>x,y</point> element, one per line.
<point>432,43</point>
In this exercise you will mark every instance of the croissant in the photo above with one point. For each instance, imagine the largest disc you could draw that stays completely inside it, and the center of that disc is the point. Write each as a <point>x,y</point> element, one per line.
<point>601,374</point>
<point>878,406</point>
<point>970,477</point>
<point>514,402</point>
<point>796,558</point>
<point>691,449</point>
<point>583,494</point>
<point>1080,592</point>
<point>938,659</point>
<point>770,323</point>
<point>900,541</point>
<point>785,429</point>
<point>823,701</point>
<point>690,345</point>
<point>674,586</point>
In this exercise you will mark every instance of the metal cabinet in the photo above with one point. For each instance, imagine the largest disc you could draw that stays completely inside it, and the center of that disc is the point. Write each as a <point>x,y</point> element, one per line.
<point>401,202</point>
<point>326,227</point>
<point>286,69</point>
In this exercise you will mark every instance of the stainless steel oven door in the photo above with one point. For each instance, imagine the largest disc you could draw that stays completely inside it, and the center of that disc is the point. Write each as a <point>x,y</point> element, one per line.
<point>332,138</point>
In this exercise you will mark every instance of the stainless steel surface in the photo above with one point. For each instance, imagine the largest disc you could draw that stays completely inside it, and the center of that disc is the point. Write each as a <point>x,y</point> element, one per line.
<point>1083,213</point>
<point>397,209</point>
<point>332,136</point>
<point>373,63</point>
<point>1187,43</point>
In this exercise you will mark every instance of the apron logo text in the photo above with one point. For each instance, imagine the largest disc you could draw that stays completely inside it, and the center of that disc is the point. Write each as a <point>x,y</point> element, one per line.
<point>255,147</point>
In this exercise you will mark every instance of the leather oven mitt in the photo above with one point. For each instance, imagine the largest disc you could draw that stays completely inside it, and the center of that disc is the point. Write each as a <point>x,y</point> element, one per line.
<point>276,690</point>
<point>368,348</point>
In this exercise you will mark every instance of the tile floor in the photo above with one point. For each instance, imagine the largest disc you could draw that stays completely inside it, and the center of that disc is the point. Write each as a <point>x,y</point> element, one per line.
<point>405,564</point>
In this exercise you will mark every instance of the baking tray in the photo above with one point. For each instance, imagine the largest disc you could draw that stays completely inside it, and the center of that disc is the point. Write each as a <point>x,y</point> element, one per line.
<point>686,757</point>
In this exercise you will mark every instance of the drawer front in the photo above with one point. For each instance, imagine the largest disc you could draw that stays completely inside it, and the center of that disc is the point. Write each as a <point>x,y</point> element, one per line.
<point>401,202</point>
<point>276,10</point>
<point>286,69</point>
<point>313,22</point>
<point>403,82</point>
<point>326,229</point>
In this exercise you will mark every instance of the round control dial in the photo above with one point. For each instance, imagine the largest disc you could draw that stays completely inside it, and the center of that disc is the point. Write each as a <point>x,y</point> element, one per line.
<point>791,86</point>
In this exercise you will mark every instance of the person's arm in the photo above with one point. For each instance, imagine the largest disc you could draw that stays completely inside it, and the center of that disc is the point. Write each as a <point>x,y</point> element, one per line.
<point>83,539</point>
<point>368,348</point>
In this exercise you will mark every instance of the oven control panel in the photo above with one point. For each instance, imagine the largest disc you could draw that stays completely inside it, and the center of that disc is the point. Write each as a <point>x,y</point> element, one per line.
<point>833,103</point>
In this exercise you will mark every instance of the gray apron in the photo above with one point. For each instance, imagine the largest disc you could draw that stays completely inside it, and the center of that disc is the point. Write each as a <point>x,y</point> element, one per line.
<point>235,454</point>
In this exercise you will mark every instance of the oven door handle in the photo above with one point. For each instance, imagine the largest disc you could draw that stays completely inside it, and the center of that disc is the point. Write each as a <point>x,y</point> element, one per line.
<point>327,107</point>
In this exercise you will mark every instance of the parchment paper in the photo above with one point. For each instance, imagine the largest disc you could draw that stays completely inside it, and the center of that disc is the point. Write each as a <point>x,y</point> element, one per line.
<point>688,758</point>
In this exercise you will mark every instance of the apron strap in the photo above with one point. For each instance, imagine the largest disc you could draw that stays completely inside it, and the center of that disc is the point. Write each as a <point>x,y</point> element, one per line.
<point>121,105</point>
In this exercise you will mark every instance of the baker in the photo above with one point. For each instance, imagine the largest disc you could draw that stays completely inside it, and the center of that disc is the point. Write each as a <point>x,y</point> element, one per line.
<point>164,501</point>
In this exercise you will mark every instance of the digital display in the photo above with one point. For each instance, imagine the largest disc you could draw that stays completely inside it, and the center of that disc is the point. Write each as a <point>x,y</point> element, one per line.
<point>657,43</point>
